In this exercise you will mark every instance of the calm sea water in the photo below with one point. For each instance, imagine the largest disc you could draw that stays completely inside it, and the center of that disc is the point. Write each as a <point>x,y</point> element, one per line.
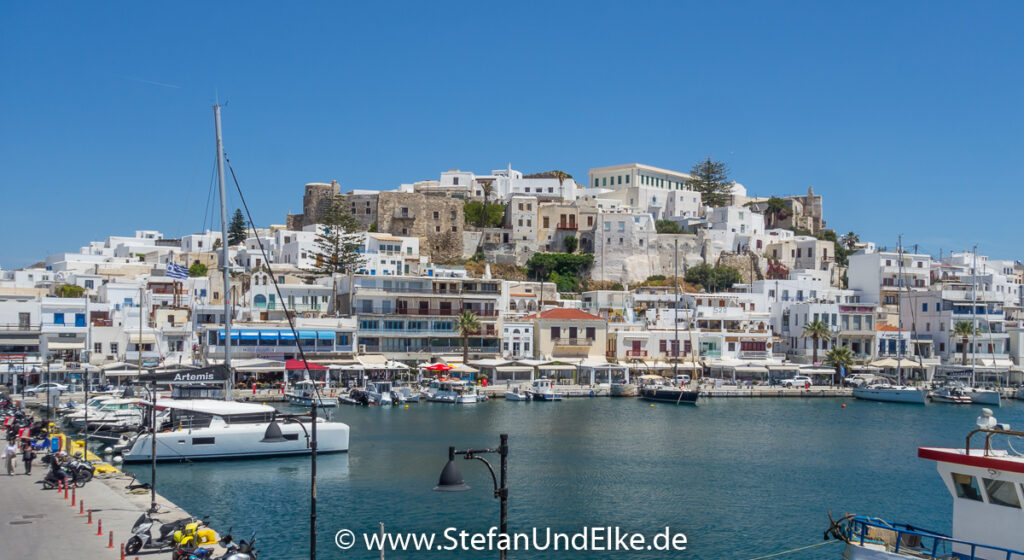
<point>742,478</point>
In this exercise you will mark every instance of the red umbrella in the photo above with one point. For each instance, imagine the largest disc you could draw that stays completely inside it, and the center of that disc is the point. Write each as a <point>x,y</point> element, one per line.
<point>439,367</point>
<point>300,365</point>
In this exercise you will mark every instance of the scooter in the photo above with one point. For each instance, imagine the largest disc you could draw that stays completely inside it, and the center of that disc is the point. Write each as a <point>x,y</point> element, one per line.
<point>241,551</point>
<point>142,536</point>
<point>71,476</point>
<point>83,469</point>
<point>188,540</point>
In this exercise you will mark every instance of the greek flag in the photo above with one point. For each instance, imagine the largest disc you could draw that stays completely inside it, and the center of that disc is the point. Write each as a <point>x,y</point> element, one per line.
<point>176,271</point>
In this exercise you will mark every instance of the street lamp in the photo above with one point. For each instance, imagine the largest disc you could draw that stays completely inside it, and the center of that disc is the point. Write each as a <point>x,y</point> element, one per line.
<point>451,478</point>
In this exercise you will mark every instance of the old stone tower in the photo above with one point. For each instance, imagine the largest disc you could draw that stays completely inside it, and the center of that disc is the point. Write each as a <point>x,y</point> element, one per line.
<point>315,203</point>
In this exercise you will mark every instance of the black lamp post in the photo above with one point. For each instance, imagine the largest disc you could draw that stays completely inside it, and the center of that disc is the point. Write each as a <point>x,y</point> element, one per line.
<point>451,478</point>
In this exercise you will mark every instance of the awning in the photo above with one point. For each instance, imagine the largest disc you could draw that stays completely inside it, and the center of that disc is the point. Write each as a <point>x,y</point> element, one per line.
<point>249,335</point>
<point>490,362</point>
<point>19,341</point>
<point>270,335</point>
<point>307,335</point>
<point>373,360</point>
<point>300,365</point>
<point>234,334</point>
<point>532,363</point>
<point>148,338</point>
<point>784,367</point>
<point>508,369</point>
<point>557,367</point>
<point>463,368</point>
<point>325,335</point>
<point>67,345</point>
<point>751,369</point>
<point>287,335</point>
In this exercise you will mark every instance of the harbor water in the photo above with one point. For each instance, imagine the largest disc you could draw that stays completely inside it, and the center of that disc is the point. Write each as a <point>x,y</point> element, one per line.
<point>741,478</point>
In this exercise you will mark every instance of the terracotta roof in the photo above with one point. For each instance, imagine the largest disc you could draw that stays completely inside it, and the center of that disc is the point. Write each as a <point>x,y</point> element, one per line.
<point>563,313</point>
<point>889,328</point>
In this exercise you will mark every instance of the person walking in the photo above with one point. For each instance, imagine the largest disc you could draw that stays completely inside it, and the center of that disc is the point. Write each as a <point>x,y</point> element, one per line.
<point>27,456</point>
<point>9,455</point>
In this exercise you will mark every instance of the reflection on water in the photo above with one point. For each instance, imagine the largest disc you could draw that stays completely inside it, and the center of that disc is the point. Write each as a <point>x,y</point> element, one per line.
<point>740,477</point>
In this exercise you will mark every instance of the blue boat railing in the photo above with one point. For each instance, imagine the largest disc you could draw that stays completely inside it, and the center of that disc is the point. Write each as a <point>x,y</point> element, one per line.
<point>857,531</point>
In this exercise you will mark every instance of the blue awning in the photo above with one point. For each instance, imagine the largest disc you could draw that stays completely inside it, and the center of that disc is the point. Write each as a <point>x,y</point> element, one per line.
<point>305,335</point>
<point>269,335</point>
<point>287,335</point>
<point>234,335</point>
<point>250,335</point>
<point>325,335</point>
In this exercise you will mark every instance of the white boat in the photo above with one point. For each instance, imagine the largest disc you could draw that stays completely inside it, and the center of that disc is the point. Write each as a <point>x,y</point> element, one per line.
<point>116,415</point>
<point>303,393</point>
<point>383,392</point>
<point>983,396</point>
<point>454,391</point>
<point>1020,393</point>
<point>543,390</point>
<point>984,484</point>
<point>76,418</point>
<point>890,393</point>
<point>515,395</point>
<point>950,395</point>
<point>209,429</point>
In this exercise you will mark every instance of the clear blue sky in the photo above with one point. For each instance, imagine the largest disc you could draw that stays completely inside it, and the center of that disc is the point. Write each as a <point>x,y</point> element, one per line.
<point>906,116</point>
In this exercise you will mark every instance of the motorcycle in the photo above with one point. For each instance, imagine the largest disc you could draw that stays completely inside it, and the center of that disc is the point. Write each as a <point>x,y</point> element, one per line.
<point>234,551</point>
<point>75,477</point>
<point>188,540</point>
<point>83,468</point>
<point>142,536</point>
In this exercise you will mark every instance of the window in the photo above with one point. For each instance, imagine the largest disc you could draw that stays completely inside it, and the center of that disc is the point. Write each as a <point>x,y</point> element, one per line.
<point>437,229</point>
<point>455,228</point>
<point>556,333</point>
<point>203,441</point>
<point>966,487</point>
<point>627,179</point>
<point>547,222</point>
<point>591,333</point>
<point>58,318</point>
<point>437,215</point>
<point>924,307</point>
<point>1001,493</point>
<point>97,347</point>
<point>113,348</point>
<point>455,180</point>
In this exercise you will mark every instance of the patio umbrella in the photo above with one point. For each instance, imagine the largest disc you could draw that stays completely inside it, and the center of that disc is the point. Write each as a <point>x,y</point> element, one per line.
<point>439,367</point>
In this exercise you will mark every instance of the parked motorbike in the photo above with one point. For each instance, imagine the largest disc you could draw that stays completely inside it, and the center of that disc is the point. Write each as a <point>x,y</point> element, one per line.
<point>142,536</point>
<point>241,550</point>
<point>189,539</point>
<point>67,474</point>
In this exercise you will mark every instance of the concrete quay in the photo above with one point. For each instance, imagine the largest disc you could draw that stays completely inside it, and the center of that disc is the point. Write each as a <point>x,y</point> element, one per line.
<point>37,523</point>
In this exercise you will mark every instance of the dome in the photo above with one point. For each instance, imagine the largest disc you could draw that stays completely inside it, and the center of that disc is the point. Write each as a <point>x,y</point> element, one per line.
<point>738,189</point>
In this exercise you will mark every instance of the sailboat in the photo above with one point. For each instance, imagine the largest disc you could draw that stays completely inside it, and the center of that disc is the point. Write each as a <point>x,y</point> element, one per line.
<point>212,429</point>
<point>978,396</point>
<point>897,393</point>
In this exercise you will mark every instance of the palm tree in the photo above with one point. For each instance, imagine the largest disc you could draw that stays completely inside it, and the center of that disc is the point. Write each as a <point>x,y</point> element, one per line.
<point>850,240</point>
<point>840,358</point>
<point>817,330</point>
<point>467,323</point>
<point>487,186</point>
<point>963,329</point>
<point>561,176</point>
<point>777,209</point>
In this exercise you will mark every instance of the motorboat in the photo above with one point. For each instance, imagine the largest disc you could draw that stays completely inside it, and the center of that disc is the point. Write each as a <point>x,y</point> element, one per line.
<point>983,483</point>
<point>408,393</point>
<point>1020,393</point>
<point>211,429</point>
<point>453,391</point>
<point>303,393</point>
<point>668,394</point>
<point>76,417</point>
<point>950,395</point>
<point>384,392</point>
<point>116,415</point>
<point>884,392</point>
<point>543,390</point>
<point>622,390</point>
<point>515,395</point>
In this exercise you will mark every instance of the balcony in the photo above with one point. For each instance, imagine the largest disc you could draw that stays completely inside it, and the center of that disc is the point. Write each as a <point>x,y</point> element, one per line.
<point>432,311</point>
<point>755,354</point>
<point>571,226</point>
<point>24,327</point>
<point>636,353</point>
<point>587,342</point>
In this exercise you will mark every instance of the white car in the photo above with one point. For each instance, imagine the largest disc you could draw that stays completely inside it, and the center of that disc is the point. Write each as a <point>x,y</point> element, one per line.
<point>43,387</point>
<point>797,381</point>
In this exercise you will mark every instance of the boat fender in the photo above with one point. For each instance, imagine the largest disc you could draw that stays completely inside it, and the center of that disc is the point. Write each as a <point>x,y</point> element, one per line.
<point>591,393</point>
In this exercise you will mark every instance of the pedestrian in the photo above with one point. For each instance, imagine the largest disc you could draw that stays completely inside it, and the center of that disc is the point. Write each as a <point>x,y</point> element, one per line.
<point>27,457</point>
<point>9,455</point>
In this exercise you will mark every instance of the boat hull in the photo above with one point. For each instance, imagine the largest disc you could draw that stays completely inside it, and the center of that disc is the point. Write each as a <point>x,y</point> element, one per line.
<point>239,441</point>
<point>669,395</point>
<point>992,398</point>
<point>906,396</point>
<point>300,400</point>
<point>856,552</point>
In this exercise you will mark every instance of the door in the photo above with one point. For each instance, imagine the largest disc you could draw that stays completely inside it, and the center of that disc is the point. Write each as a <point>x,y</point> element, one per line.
<point>79,319</point>
<point>636,348</point>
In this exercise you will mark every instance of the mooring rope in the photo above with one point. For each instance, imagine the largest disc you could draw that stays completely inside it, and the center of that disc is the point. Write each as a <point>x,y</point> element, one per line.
<point>784,552</point>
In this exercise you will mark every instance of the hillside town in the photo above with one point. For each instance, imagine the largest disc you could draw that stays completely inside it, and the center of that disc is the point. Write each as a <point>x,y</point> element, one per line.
<point>633,269</point>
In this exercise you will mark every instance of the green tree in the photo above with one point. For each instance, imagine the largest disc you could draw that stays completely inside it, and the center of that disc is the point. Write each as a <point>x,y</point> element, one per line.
<point>337,242</point>
<point>237,232</point>
<point>487,186</point>
<point>711,180</point>
<point>667,226</point>
<point>475,214</point>
<point>197,269</point>
<point>565,270</point>
<point>963,329</point>
<point>713,278</point>
<point>570,244</point>
<point>70,291</point>
<point>778,209</point>
<point>372,228</point>
<point>816,330</point>
<point>467,323</point>
<point>840,358</point>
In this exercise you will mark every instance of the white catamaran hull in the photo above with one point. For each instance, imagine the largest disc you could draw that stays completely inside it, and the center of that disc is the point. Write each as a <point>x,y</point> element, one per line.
<point>890,394</point>
<point>236,441</point>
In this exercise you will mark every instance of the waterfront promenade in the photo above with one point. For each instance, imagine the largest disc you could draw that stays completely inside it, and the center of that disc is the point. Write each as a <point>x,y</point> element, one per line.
<point>37,523</point>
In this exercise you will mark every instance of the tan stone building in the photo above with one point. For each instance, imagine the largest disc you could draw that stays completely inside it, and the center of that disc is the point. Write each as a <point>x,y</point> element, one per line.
<point>564,333</point>
<point>315,202</point>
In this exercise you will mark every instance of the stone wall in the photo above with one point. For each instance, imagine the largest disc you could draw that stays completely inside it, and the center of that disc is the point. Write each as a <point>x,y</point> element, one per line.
<point>436,220</point>
<point>748,265</point>
<point>315,202</point>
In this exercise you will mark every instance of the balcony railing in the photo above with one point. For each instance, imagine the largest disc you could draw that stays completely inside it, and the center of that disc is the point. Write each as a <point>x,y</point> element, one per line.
<point>573,341</point>
<point>567,226</point>
<point>636,353</point>
<point>20,327</point>
<point>755,354</point>
<point>376,348</point>
<point>443,312</point>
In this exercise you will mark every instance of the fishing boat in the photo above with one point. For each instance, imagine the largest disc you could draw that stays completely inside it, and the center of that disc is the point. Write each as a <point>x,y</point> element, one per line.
<point>210,429</point>
<point>668,394</point>
<point>543,390</point>
<point>453,391</point>
<point>515,396</point>
<point>984,483</point>
<point>383,392</point>
<point>950,395</point>
<point>303,393</point>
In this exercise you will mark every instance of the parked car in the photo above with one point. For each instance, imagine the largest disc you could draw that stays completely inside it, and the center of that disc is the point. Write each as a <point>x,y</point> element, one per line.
<point>682,379</point>
<point>42,388</point>
<point>797,381</point>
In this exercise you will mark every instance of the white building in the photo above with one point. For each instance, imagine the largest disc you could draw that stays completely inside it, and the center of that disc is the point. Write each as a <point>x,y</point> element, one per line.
<point>636,174</point>
<point>517,340</point>
<point>876,275</point>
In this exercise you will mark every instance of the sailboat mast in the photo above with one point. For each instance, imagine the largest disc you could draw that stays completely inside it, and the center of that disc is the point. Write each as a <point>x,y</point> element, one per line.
<point>675,314</point>
<point>974,314</point>
<point>899,315</point>
<point>224,263</point>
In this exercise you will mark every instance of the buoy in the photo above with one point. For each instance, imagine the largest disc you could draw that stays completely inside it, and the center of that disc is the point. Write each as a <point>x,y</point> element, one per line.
<point>406,406</point>
<point>844,405</point>
<point>108,450</point>
<point>652,404</point>
<point>118,460</point>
